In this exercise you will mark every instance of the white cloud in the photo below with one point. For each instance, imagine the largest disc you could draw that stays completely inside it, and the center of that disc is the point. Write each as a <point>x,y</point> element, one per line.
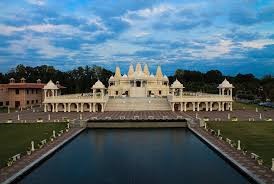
<point>257,44</point>
<point>42,46</point>
<point>37,2</point>
<point>9,30</point>
<point>220,49</point>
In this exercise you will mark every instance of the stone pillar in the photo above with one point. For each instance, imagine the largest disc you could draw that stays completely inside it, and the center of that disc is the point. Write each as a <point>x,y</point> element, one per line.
<point>93,93</point>
<point>32,146</point>
<point>220,92</point>
<point>53,107</point>
<point>93,107</point>
<point>198,106</point>
<point>65,107</point>
<point>69,107</point>
<point>181,93</point>
<point>193,106</point>
<point>239,145</point>
<point>210,106</point>
<point>56,107</point>
<point>172,104</point>
<point>181,109</point>
<point>185,106</point>
<point>49,117</point>
<point>45,107</point>
<point>219,103</point>
<point>53,134</point>
<point>82,107</point>
<point>230,106</point>
<point>223,91</point>
<point>90,107</point>
<point>218,132</point>
<point>206,106</point>
<point>103,107</point>
<point>223,106</point>
<point>45,93</point>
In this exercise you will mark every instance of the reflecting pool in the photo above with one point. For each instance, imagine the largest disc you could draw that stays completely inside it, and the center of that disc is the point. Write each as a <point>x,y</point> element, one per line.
<point>123,156</point>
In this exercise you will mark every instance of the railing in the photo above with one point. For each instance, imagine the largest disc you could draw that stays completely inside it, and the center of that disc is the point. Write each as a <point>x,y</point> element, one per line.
<point>204,97</point>
<point>81,98</point>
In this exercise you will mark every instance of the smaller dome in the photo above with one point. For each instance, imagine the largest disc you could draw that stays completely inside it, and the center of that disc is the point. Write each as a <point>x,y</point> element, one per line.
<point>124,76</point>
<point>50,85</point>
<point>177,84</point>
<point>111,78</point>
<point>225,84</point>
<point>151,75</point>
<point>165,78</point>
<point>98,85</point>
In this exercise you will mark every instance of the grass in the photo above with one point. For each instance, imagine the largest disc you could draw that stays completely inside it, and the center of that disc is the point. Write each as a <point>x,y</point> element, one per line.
<point>16,138</point>
<point>241,106</point>
<point>255,137</point>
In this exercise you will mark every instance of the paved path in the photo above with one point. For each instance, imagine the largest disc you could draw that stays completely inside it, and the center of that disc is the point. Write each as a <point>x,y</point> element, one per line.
<point>261,172</point>
<point>29,116</point>
<point>7,174</point>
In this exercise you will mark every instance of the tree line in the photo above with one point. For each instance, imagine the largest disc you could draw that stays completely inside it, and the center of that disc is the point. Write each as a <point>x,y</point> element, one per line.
<point>80,79</point>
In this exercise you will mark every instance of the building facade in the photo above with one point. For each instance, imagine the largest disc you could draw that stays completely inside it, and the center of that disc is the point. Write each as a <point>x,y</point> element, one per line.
<point>138,86</point>
<point>21,94</point>
<point>138,83</point>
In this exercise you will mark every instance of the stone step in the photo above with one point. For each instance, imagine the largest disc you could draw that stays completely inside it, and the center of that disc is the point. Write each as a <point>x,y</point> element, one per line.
<point>137,104</point>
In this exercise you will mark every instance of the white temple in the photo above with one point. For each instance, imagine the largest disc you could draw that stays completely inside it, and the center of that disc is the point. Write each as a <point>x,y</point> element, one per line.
<point>137,90</point>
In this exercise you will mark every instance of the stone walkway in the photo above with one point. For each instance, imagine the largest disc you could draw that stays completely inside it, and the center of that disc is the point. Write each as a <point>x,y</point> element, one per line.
<point>27,160</point>
<point>262,172</point>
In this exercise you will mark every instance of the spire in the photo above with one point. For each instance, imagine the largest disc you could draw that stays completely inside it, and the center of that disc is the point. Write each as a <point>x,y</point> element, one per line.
<point>138,68</point>
<point>159,72</point>
<point>117,72</point>
<point>146,70</point>
<point>130,70</point>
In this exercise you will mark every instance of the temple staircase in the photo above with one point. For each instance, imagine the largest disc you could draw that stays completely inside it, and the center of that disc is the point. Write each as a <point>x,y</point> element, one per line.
<point>138,104</point>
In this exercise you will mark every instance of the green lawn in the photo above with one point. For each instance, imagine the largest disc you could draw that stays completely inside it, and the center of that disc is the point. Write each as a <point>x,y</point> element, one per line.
<point>256,137</point>
<point>241,106</point>
<point>16,138</point>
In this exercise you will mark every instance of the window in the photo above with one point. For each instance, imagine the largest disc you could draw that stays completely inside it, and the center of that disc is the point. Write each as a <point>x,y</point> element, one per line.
<point>27,102</point>
<point>36,101</point>
<point>32,91</point>
<point>36,91</point>
<point>160,92</point>
<point>32,102</point>
<point>27,91</point>
<point>117,93</point>
<point>17,91</point>
<point>1,103</point>
<point>7,103</point>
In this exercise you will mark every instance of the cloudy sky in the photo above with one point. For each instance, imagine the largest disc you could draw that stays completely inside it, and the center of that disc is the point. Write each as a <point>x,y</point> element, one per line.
<point>230,35</point>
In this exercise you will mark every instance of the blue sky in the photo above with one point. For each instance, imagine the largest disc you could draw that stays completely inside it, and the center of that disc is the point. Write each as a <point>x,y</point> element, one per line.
<point>234,36</point>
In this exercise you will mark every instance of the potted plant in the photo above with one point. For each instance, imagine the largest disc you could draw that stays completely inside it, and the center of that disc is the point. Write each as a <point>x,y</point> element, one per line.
<point>9,162</point>
<point>260,161</point>
<point>29,151</point>
<point>244,151</point>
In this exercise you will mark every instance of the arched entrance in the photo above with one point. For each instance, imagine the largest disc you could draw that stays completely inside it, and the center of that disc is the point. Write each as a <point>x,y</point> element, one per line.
<point>177,107</point>
<point>73,107</point>
<point>215,106</point>
<point>98,107</point>
<point>189,106</point>
<point>86,107</point>
<point>202,106</point>
<point>61,107</point>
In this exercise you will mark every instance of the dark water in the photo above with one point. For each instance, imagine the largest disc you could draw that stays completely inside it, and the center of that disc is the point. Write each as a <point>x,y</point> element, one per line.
<point>145,156</point>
